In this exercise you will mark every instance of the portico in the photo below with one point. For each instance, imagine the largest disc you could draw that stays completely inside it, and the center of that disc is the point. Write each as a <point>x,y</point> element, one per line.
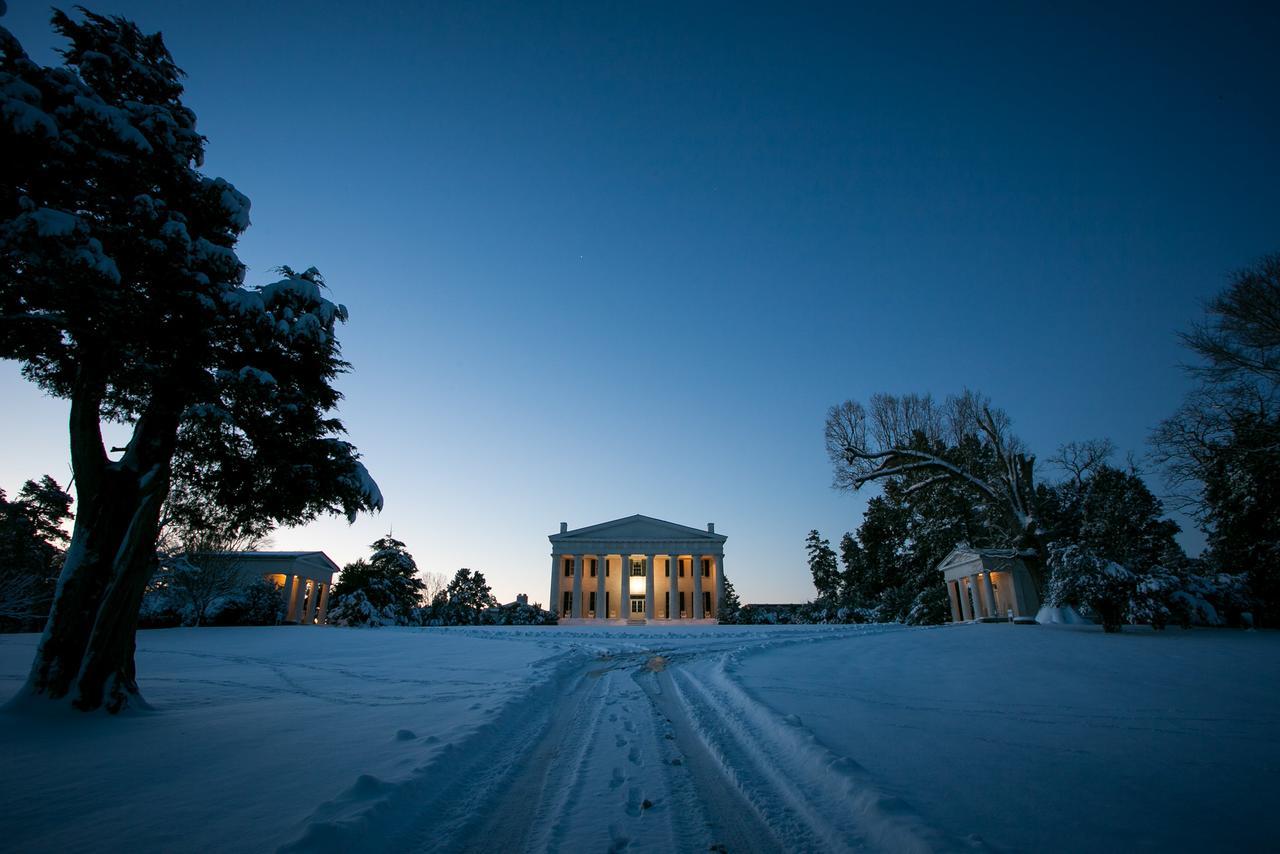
<point>637,569</point>
<point>988,584</point>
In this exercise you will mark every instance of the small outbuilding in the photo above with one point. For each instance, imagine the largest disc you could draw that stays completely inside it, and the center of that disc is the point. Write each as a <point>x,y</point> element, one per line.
<point>988,583</point>
<point>305,578</point>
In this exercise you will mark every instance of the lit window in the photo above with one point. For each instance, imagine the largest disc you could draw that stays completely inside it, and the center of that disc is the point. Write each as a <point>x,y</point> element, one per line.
<point>637,567</point>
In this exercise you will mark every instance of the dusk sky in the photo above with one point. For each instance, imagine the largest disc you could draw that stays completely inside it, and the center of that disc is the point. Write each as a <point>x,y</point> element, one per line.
<point>612,259</point>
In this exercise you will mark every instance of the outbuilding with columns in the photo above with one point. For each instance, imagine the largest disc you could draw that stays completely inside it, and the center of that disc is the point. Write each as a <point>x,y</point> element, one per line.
<point>303,577</point>
<point>988,583</point>
<point>637,569</point>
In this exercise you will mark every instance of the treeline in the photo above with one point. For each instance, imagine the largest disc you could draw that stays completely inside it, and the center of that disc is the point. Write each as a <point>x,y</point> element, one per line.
<point>33,545</point>
<point>388,590</point>
<point>1097,538</point>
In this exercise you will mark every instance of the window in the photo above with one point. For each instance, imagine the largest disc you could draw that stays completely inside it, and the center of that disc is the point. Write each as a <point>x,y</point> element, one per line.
<point>706,567</point>
<point>593,602</point>
<point>593,567</point>
<point>568,566</point>
<point>680,564</point>
<point>637,605</point>
<point>682,608</point>
<point>637,567</point>
<point>706,604</point>
<point>567,610</point>
<point>669,566</point>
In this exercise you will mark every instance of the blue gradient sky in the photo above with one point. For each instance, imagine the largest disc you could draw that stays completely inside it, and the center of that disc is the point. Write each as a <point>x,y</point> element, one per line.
<point>611,259</point>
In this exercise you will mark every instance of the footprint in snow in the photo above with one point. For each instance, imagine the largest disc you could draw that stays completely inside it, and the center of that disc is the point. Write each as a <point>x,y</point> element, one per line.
<point>633,754</point>
<point>629,726</point>
<point>619,741</point>
<point>618,779</point>
<point>612,717</point>
<point>405,735</point>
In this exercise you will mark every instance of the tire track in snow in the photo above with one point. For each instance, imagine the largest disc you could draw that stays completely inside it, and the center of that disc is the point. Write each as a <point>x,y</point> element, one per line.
<point>609,755</point>
<point>809,797</point>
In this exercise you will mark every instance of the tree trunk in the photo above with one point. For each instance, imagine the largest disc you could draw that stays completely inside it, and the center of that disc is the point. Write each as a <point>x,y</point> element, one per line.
<point>86,651</point>
<point>108,676</point>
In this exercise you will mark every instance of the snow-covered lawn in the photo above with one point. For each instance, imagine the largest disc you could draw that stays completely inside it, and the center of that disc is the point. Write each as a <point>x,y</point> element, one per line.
<point>1053,738</point>
<point>584,738</point>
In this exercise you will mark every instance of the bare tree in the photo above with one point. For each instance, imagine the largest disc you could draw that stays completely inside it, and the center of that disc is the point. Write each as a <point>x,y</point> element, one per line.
<point>201,550</point>
<point>964,441</point>
<point>434,585</point>
<point>1239,373</point>
<point>1240,343</point>
<point>1079,458</point>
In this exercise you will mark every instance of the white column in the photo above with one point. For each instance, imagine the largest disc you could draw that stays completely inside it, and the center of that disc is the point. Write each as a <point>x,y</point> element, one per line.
<point>673,592</point>
<point>955,601</point>
<point>323,614</point>
<point>290,598</point>
<point>719,560</point>
<point>624,587</point>
<point>988,595</point>
<point>696,564</point>
<point>579,567</point>
<point>555,584</point>
<point>602,576</point>
<point>966,605</point>
<point>648,587</point>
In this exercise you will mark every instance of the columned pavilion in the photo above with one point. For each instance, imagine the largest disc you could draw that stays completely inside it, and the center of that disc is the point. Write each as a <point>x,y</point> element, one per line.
<point>988,584</point>
<point>637,569</point>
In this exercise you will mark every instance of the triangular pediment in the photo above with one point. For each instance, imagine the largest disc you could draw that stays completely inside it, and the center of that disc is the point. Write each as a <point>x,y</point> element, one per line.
<point>637,528</point>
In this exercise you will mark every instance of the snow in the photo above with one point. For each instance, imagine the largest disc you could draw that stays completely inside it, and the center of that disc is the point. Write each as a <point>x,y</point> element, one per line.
<point>235,203</point>
<point>52,223</point>
<point>577,737</point>
<point>114,118</point>
<point>366,486</point>
<point>1065,615</point>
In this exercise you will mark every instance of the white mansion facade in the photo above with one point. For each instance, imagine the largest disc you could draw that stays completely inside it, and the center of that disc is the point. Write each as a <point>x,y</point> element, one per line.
<point>638,568</point>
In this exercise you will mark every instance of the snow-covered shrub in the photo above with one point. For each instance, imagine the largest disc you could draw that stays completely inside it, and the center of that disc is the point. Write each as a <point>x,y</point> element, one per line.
<point>258,603</point>
<point>519,614</point>
<point>380,602</point>
<point>930,607</point>
<point>159,611</point>
<point>1080,578</point>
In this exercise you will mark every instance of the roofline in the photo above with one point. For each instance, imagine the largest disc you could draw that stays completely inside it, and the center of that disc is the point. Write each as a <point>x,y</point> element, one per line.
<point>279,555</point>
<point>697,532</point>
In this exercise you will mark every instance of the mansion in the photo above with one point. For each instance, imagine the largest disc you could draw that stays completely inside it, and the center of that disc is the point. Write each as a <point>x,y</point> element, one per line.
<point>637,569</point>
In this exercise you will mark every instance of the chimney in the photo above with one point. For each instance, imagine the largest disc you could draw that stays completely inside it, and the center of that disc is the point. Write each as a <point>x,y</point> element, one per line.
<point>564,526</point>
<point>523,598</point>
<point>711,527</point>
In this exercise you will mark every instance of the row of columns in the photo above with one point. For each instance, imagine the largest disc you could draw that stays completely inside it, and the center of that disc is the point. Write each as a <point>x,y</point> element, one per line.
<point>624,587</point>
<point>306,600</point>
<point>970,592</point>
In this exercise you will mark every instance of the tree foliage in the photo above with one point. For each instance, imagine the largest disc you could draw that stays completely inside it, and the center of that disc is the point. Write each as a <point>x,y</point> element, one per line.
<point>730,606</point>
<point>120,290</point>
<point>465,599</point>
<point>822,566</point>
<point>384,590</point>
<point>964,443</point>
<point>32,546</point>
<point>1221,449</point>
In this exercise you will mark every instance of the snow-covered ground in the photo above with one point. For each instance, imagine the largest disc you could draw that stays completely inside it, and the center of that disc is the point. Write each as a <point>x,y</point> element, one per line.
<point>581,738</point>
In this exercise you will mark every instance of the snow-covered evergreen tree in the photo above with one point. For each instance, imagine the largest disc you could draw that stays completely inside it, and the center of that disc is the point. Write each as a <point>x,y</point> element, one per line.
<point>465,599</point>
<point>728,609</point>
<point>120,290</point>
<point>382,591</point>
<point>822,566</point>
